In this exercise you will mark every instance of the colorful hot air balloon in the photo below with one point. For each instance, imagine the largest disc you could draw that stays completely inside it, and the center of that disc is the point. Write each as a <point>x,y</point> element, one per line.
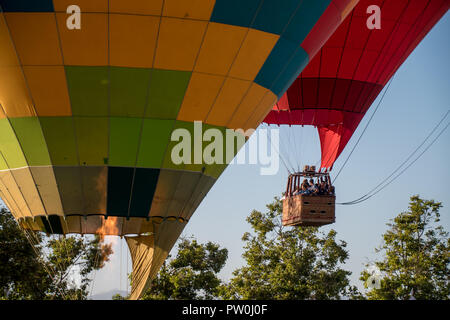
<point>338,86</point>
<point>90,92</point>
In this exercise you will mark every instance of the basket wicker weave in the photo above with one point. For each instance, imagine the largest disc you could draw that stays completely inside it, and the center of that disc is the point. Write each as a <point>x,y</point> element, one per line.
<point>308,210</point>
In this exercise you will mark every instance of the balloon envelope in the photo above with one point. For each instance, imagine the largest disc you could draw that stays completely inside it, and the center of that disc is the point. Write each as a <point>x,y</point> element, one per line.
<point>341,82</point>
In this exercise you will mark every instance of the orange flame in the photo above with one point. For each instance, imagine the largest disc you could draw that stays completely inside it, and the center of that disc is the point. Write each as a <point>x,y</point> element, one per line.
<point>109,227</point>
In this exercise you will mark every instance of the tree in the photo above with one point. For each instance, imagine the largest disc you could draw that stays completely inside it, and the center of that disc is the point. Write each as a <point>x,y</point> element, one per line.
<point>416,255</point>
<point>43,270</point>
<point>289,262</point>
<point>192,274</point>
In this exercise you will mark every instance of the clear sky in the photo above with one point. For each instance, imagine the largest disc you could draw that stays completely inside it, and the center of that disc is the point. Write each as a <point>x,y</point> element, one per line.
<point>417,99</point>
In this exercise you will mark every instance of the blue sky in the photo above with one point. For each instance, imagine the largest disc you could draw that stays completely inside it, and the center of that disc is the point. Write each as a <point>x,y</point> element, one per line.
<point>417,99</point>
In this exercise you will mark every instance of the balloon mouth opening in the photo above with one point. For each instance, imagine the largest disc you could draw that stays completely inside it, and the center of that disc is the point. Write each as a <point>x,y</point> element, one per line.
<point>99,224</point>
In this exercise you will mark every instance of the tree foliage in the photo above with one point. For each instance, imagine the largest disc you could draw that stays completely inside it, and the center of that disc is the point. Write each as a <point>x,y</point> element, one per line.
<point>416,255</point>
<point>44,270</point>
<point>192,274</point>
<point>280,262</point>
<point>289,262</point>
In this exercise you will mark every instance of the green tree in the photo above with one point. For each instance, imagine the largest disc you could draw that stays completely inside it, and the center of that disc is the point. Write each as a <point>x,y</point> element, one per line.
<point>43,270</point>
<point>192,274</point>
<point>416,255</point>
<point>118,296</point>
<point>289,262</point>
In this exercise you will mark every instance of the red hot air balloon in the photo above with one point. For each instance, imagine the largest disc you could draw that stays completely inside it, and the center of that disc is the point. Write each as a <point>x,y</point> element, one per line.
<point>338,86</point>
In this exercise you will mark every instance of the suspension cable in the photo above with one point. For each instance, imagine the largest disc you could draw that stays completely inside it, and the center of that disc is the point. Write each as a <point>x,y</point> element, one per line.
<point>120,262</point>
<point>279,153</point>
<point>374,191</point>
<point>284,143</point>
<point>48,268</point>
<point>297,146</point>
<point>96,262</point>
<point>365,128</point>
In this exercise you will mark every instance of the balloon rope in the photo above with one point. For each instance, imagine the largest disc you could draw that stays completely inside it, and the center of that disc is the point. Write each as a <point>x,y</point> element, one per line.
<point>47,268</point>
<point>96,260</point>
<point>120,269</point>
<point>371,193</point>
<point>279,153</point>
<point>365,128</point>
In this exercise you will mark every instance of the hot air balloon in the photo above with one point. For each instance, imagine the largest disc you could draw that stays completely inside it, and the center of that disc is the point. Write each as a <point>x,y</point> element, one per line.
<point>91,91</point>
<point>340,83</point>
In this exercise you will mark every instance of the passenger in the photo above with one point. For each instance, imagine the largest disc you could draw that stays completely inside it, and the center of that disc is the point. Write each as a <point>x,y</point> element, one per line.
<point>311,184</point>
<point>305,183</point>
<point>331,190</point>
<point>312,187</point>
<point>305,189</point>
<point>323,187</point>
<point>330,186</point>
<point>317,188</point>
